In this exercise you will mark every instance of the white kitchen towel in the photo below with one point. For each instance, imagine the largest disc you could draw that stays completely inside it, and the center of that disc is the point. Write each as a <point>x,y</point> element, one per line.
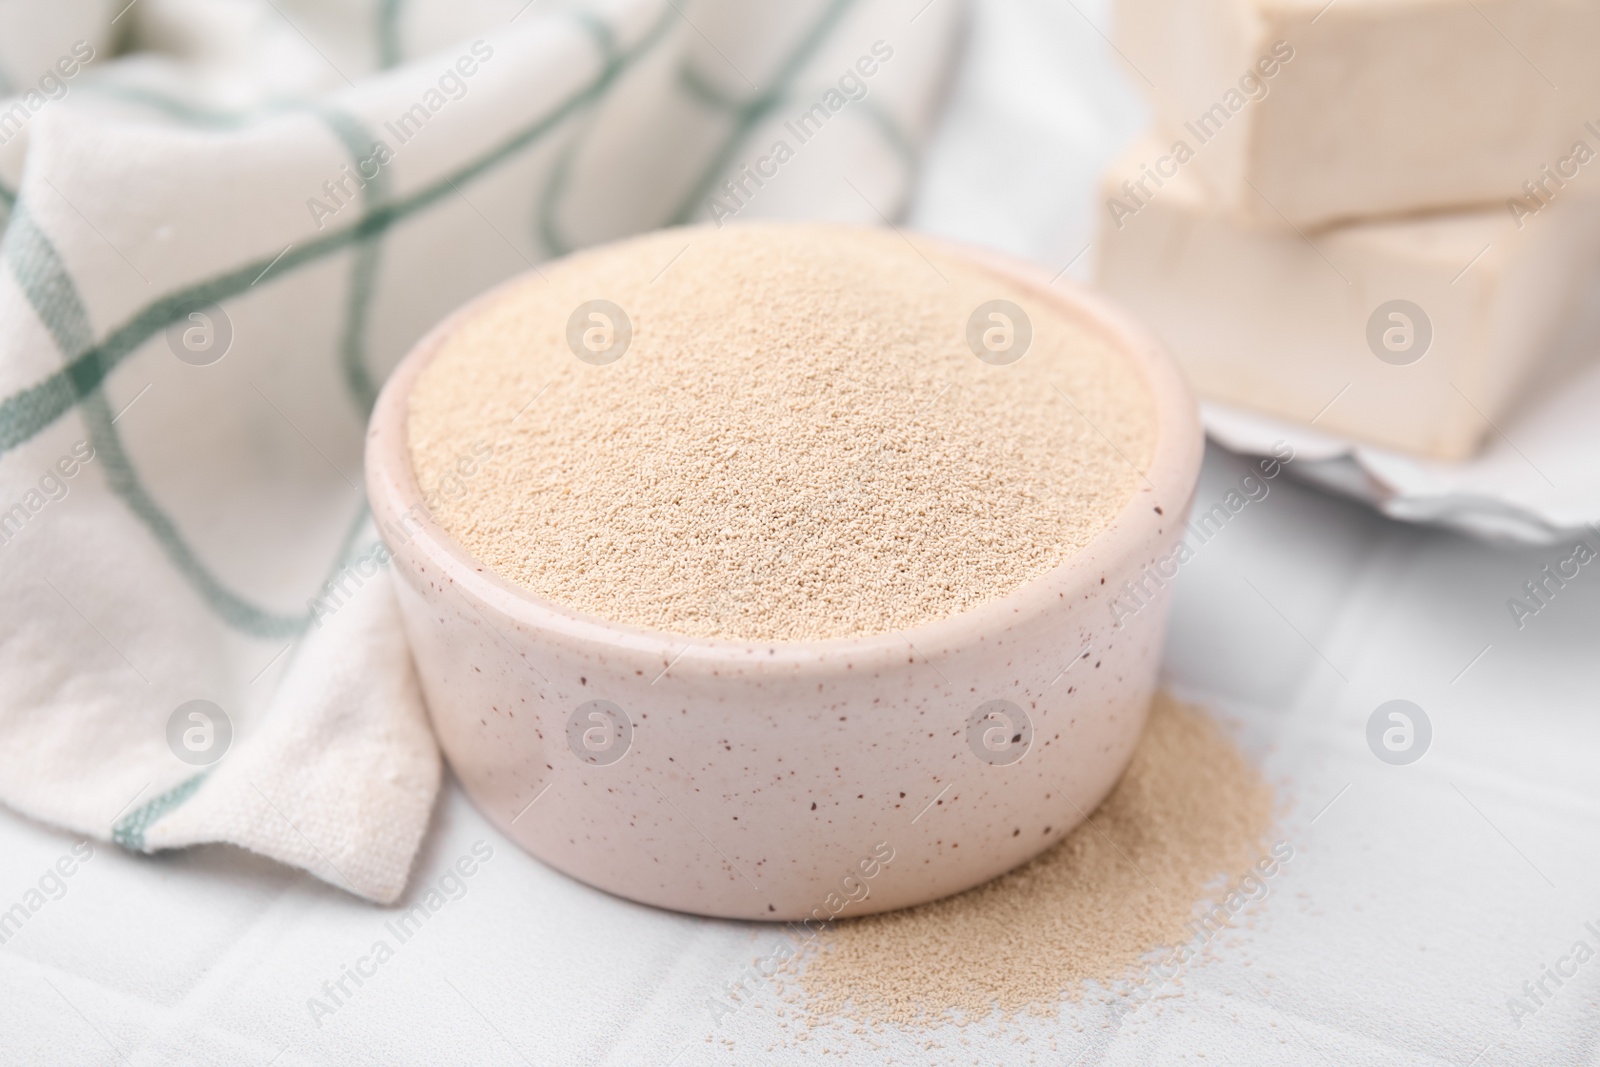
<point>224,222</point>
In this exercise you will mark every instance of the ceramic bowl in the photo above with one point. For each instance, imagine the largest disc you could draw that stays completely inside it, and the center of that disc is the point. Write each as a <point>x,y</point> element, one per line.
<point>803,780</point>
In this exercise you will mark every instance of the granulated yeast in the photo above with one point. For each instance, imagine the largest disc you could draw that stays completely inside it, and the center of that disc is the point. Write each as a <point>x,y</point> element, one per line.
<point>1190,813</point>
<point>797,444</point>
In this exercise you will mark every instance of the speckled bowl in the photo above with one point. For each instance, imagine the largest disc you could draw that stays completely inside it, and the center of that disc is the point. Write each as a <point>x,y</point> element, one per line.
<point>801,780</point>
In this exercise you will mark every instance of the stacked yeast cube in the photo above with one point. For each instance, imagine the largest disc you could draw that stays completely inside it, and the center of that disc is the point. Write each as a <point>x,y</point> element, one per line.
<point>1378,214</point>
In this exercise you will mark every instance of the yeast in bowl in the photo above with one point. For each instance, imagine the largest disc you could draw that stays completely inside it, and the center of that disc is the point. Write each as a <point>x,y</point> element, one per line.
<point>768,572</point>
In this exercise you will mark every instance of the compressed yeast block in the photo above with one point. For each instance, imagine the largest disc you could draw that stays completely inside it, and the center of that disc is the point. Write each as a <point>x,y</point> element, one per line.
<point>1368,107</point>
<point>1412,334</point>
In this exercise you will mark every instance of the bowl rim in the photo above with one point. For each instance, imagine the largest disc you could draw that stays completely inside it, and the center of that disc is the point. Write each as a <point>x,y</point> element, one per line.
<point>1171,480</point>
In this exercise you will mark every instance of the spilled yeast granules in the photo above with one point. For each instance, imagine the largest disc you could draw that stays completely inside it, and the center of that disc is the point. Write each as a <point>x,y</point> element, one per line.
<point>798,443</point>
<point>1189,814</point>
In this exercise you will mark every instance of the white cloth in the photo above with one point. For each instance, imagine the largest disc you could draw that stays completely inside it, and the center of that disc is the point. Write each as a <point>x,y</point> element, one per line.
<point>218,243</point>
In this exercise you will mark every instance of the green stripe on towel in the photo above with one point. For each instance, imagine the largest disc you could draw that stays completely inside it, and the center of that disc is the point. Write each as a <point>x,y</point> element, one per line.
<point>362,145</point>
<point>129,830</point>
